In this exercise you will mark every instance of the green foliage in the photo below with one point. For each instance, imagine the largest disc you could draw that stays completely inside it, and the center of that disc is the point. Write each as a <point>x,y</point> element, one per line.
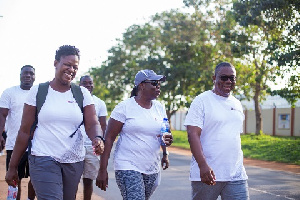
<point>291,95</point>
<point>267,40</point>
<point>184,47</point>
<point>292,92</point>
<point>270,148</point>
<point>180,139</point>
<point>258,37</point>
<point>275,24</point>
<point>260,147</point>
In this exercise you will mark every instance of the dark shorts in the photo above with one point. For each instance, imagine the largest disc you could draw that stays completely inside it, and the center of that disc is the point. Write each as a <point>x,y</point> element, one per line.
<point>23,167</point>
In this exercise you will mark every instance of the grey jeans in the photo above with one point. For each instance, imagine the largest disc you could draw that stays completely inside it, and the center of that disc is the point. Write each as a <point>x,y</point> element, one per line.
<point>229,190</point>
<point>53,180</point>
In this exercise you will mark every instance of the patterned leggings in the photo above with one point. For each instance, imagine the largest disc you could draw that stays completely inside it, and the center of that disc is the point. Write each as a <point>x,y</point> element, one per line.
<point>135,185</point>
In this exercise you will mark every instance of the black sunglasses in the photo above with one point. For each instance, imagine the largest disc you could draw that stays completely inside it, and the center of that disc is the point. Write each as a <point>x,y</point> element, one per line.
<point>225,78</point>
<point>154,83</point>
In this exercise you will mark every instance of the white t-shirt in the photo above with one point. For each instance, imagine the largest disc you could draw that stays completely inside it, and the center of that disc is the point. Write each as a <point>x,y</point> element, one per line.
<point>13,99</point>
<point>221,121</point>
<point>138,145</point>
<point>59,117</point>
<point>101,111</point>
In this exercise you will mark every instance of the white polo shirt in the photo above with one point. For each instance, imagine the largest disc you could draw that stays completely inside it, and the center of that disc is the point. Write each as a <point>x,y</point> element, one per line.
<point>221,121</point>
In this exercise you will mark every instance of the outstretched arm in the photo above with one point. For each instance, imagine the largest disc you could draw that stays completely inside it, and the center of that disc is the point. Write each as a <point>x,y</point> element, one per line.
<point>21,144</point>
<point>2,142</point>
<point>206,173</point>
<point>165,159</point>
<point>93,128</point>
<point>3,115</point>
<point>114,127</point>
<point>102,121</point>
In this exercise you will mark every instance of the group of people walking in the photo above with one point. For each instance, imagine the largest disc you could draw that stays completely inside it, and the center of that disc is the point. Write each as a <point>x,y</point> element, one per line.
<point>64,127</point>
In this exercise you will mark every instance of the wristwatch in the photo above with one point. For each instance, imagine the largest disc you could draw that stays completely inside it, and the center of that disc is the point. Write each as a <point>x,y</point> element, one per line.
<point>102,138</point>
<point>166,153</point>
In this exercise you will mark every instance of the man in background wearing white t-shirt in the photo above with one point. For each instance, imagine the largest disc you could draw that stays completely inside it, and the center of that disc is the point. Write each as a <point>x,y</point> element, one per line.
<point>91,161</point>
<point>11,110</point>
<point>214,123</point>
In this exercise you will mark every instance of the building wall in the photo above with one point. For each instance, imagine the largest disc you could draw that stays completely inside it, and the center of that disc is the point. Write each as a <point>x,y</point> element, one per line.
<point>282,121</point>
<point>250,127</point>
<point>177,120</point>
<point>267,116</point>
<point>297,122</point>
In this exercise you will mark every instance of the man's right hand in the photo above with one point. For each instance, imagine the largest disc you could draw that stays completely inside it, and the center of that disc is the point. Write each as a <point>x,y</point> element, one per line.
<point>207,175</point>
<point>11,177</point>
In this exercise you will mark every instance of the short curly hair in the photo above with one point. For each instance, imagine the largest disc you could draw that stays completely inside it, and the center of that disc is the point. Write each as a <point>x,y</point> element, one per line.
<point>27,66</point>
<point>223,64</point>
<point>66,50</point>
<point>85,76</point>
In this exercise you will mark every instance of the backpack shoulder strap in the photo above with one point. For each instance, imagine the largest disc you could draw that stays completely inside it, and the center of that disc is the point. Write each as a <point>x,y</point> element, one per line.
<point>41,96</point>
<point>40,100</point>
<point>78,95</point>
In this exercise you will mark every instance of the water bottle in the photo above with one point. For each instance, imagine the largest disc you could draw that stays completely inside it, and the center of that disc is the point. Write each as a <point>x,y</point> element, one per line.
<point>165,130</point>
<point>12,193</point>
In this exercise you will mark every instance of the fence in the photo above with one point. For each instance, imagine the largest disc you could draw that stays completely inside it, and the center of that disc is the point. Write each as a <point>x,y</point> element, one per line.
<point>276,121</point>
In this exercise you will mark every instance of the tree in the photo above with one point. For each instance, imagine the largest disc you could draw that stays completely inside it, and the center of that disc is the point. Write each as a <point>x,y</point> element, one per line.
<point>265,38</point>
<point>285,47</point>
<point>292,92</point>
<point>179,45</point>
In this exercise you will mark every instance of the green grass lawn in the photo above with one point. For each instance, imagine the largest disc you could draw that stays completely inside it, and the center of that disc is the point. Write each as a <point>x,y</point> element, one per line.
<point>263,147</point>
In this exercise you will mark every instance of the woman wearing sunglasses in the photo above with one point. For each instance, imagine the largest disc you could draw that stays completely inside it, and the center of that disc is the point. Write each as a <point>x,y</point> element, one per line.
<point>137,120</point>
<point>214,123</point>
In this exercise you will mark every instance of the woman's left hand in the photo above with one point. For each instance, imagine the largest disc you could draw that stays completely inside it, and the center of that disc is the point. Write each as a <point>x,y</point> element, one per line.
<point>168,139</point>
<point>102,179</point>
<point>165,162</point>
<point>98,146</point>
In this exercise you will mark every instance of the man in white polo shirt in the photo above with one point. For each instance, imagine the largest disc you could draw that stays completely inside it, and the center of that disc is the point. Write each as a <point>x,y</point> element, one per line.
<point>11,110</point>
<point>91,161</point>
<point>214,123</point>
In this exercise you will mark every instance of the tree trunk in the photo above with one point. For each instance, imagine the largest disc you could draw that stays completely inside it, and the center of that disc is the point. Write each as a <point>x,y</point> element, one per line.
<point>258,117</point>
<point>169,115</point>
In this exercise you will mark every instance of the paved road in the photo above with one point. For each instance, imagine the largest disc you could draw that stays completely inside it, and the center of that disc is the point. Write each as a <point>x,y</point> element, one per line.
<point>264,184</point>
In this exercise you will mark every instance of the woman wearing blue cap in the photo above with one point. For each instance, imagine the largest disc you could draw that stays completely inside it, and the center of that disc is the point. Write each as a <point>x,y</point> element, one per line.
<point>137,120</point>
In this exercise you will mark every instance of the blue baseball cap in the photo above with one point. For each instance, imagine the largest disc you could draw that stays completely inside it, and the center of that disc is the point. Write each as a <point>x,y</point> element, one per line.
<point>147,74</point>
